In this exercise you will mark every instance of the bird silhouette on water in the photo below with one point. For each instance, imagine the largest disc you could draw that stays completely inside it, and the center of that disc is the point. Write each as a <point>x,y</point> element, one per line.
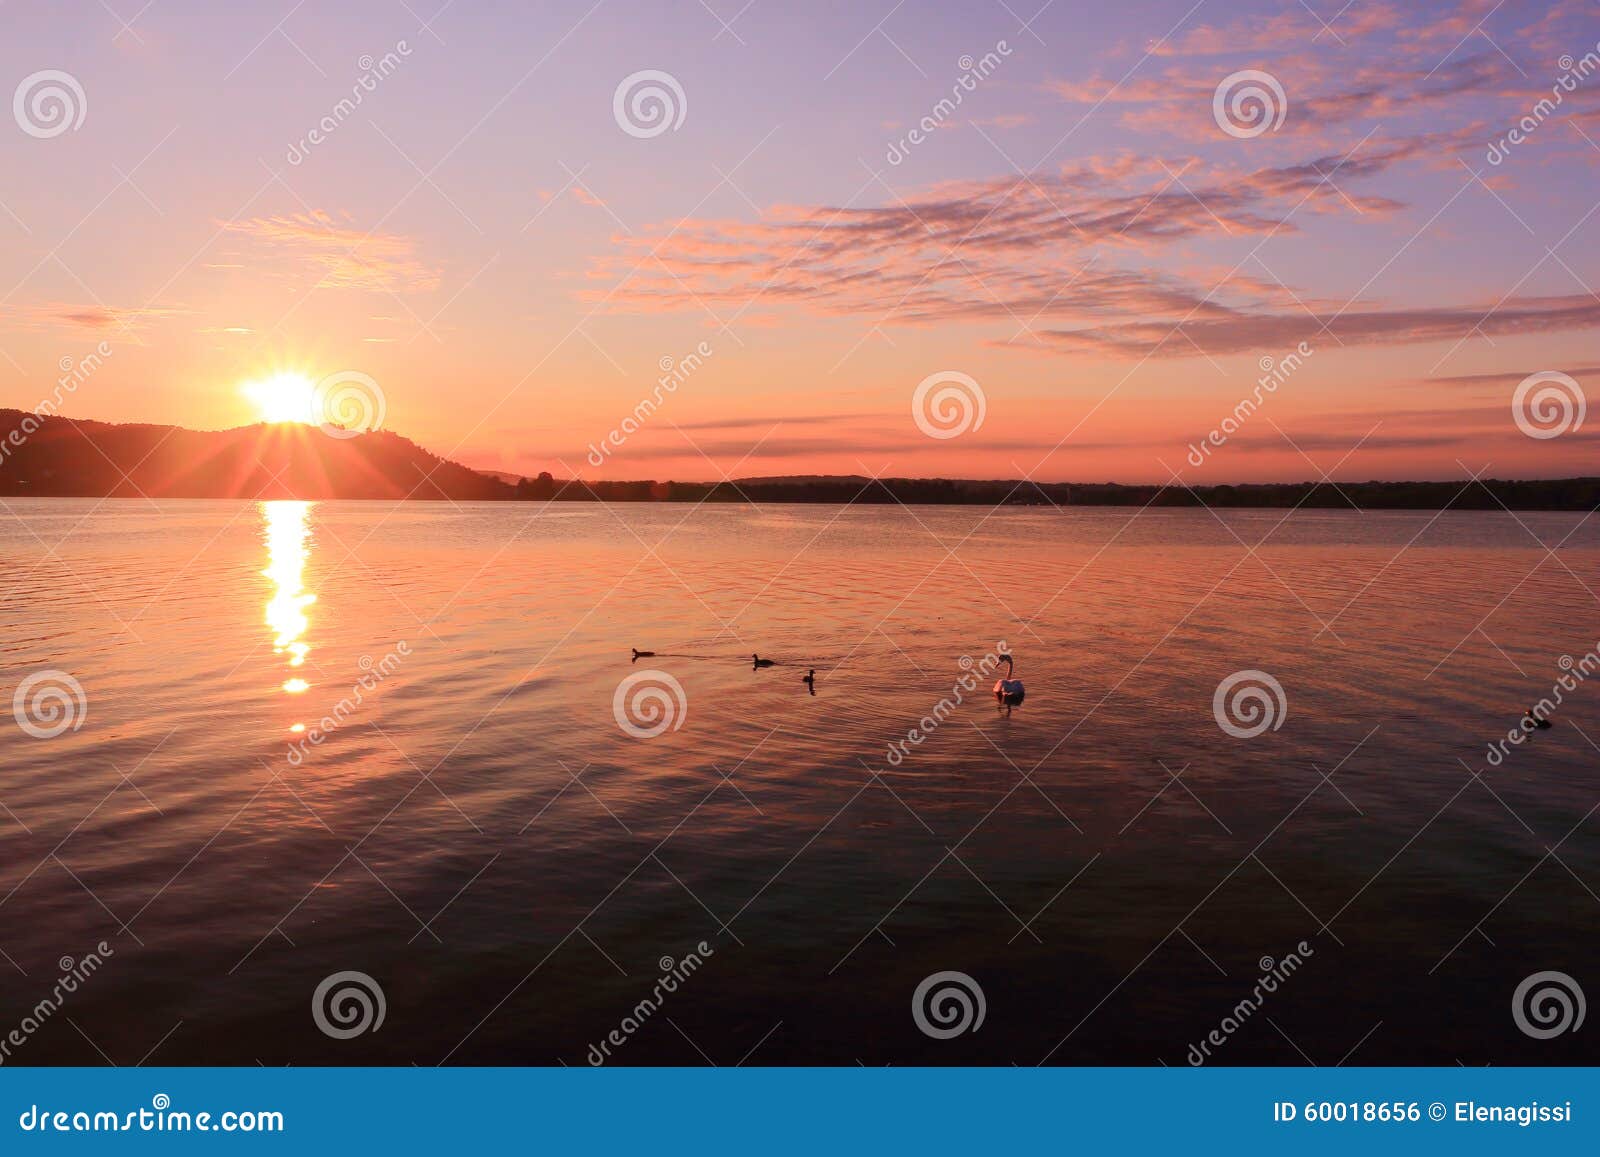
<point>638,654</point>
<point>810,680</point>
<point>1536,722</point>
<point>758,661</point>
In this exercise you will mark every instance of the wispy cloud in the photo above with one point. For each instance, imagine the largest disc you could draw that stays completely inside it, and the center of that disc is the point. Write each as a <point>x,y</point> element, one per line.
<point>347,257</point>
<point>49,315</point>
<point>1073,260</point>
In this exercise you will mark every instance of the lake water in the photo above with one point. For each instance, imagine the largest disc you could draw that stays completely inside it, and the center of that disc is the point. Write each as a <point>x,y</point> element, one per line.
<point>482,836</point>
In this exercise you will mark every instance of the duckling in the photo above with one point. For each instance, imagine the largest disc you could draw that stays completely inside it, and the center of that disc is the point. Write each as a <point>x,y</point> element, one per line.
<point>1538,723</point>
<point>758,661</point>
<point>638,654</point>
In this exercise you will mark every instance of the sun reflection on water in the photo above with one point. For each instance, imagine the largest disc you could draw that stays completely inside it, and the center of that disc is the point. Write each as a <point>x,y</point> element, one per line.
<point>287,530</point>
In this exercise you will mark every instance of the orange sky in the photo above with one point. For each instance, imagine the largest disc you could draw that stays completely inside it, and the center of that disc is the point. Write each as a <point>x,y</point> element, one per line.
<point>478,217</point>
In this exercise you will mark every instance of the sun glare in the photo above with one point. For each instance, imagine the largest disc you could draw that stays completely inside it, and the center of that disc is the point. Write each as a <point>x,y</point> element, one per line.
<point>283,397</point>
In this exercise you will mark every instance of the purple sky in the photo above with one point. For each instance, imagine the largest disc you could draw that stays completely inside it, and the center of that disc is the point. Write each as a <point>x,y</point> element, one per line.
<point>1102,254</point>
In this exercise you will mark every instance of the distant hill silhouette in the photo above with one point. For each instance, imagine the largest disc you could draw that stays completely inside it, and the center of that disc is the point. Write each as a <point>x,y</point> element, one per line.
<point>1543,494</point>
<point>66,457</point>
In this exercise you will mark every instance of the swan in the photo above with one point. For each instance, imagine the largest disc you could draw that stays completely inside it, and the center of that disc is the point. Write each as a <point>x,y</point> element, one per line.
<point>1009,691</point>
<point>758,661</point>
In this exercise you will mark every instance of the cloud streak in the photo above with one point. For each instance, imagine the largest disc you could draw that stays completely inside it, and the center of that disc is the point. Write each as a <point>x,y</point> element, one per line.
<point>346,257</point>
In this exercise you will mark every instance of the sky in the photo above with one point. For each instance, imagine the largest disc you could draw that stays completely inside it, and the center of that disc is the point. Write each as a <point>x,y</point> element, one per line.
<point>979,239</point>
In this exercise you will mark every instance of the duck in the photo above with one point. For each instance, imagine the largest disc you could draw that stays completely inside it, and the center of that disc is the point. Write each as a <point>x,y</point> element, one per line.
<point>810,678</point>
<point>638,654</point>
<point>1538,722</point>
<point>758,661</point>
<point>1009,691</point>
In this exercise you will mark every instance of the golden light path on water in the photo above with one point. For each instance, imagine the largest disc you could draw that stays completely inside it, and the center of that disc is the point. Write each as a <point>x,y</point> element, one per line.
<point>286,530</point>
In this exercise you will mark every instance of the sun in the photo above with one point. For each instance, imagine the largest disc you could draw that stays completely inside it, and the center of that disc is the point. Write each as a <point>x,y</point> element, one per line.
<point>283,397</point>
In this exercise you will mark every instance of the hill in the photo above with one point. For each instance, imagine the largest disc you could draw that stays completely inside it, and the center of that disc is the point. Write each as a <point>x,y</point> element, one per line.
<point>67,457</point>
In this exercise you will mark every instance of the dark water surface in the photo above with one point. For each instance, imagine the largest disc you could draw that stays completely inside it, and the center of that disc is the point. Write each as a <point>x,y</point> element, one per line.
<point>482,837</point>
